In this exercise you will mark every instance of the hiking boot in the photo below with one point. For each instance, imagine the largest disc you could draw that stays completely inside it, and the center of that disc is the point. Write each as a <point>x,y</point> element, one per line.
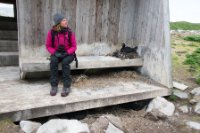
<point>65,91</point>
<point>54,90</point>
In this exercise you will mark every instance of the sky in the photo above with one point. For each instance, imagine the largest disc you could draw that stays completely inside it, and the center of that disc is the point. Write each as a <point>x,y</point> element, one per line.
<point>180,10</point>
<point>185,10</point>
<point>6,10</point>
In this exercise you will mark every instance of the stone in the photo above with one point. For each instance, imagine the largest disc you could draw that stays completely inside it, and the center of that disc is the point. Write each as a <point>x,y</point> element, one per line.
<point>112,129</point>
<point>196,91</point>
<point>184,109</point>
<point>155,115</point>
<point>179,86</point>
<point>63,126</point>
<point>100,125</point>
<point>176,114</point>
<point>7,126</point>
<point>29,126</point>
<point>195,99</point>
<point>197,108</point>
<point>116,121</point>
<point>162,105</point>
<point>180,94</point>
<point>193,125</point>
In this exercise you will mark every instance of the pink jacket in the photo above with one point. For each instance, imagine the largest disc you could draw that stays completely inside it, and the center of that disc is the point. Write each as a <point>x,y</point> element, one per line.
<point>70,49</point>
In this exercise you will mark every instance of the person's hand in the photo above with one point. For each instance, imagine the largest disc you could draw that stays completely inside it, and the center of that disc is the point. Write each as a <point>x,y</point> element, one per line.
<point>64,54</point>
<point>58,54</point>
<point>61,55</point>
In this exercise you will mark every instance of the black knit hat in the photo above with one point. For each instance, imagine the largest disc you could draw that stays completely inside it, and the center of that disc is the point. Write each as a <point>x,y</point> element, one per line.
<point>58,18</point>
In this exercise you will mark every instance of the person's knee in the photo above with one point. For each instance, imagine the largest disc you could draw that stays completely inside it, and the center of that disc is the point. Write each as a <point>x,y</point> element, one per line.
<point>67,60</point>
<point>54,59</point>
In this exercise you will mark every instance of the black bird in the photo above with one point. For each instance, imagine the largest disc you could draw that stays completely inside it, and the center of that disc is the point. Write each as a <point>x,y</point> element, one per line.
<point>126,49</point>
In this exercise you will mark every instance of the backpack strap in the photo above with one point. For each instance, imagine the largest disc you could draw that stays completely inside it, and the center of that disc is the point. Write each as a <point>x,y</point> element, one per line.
<point>52,37</point>
<point>75,57</point>
<point>69,36</point>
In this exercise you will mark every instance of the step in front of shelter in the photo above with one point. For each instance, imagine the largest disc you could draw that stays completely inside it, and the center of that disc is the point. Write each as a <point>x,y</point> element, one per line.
<point>33,99</point>
<point>42,64</point>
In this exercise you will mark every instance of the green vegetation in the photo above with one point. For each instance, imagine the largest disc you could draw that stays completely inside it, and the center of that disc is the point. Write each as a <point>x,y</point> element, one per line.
<point>172,97</point>
<point>194,38</point>
<point>181,48</point>
<point>182,25</point>
<point>193,60</point>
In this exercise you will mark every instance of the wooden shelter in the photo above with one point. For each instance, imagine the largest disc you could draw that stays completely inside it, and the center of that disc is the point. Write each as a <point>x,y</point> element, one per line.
<point>101,26</point>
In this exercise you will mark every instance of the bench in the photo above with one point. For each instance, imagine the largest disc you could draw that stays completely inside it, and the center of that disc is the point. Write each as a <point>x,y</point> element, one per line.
<point>39,64</point>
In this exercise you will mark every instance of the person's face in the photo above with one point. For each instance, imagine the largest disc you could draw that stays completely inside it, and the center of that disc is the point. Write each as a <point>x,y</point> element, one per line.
<point>64,23</point>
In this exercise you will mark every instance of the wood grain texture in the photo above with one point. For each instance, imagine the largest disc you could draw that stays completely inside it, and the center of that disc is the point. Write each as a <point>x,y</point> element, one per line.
<point>152,35</point>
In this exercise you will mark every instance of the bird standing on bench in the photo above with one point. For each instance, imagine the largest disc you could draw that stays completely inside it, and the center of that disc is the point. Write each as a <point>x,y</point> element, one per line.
<point>61,44</point>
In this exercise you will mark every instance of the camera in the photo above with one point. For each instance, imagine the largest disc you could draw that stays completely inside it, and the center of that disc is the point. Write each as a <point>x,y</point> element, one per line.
<point>61,48</point>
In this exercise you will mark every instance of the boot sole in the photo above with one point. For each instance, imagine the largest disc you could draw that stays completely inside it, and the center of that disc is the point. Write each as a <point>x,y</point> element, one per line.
<point>64,95</point>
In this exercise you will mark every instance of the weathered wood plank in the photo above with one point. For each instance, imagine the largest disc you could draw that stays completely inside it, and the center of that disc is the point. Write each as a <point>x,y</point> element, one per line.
<point>113,21</point>
<point>85,62</point>
<point>126,22</point>
<point>98,20</point>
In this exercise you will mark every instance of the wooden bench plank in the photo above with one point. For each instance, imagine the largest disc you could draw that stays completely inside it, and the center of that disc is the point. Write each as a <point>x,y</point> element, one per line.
<point>85,62</point>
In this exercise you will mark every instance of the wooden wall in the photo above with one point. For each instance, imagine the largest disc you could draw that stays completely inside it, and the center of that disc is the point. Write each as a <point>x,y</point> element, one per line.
<point>151,32</point>
<point>106,22</point>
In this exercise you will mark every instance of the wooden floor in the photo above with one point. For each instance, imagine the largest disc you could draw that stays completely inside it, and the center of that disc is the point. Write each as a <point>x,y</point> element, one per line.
<point>9,73</point>
<point>21,100</point>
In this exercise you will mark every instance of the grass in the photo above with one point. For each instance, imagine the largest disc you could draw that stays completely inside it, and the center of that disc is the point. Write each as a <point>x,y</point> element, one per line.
<point>181,48</point>
<point>172,98</point>
<point>182,25</point>
<point>194,38</point>
<point>193,60</point>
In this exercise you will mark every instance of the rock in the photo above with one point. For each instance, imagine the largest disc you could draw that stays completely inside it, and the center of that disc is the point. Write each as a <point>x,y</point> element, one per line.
<point>180,94</point>
<point>63,126</point>
<point>193,125</point>
<point>195,99</point>
<point>162,105</point>
<point>100,125</point>
<point>112,129</point>
<point>116,121</point>
<point>7,126</point>
<point>29,126</point>
<point>196,91</point>
<point>176,114</point>
<point>155,115</point>
<point>197,108</point>
<point>179,86</point>
<point>184,109</point>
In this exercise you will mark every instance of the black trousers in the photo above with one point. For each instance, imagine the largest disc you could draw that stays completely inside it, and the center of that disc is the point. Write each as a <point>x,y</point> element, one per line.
<point>66,72</point>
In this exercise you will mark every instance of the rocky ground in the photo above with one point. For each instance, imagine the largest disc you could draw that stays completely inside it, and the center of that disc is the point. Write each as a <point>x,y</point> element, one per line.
<point>178,113</point>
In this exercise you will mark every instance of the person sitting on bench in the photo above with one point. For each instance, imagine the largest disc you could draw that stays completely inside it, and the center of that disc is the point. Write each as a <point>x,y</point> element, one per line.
<point>61,44</point>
